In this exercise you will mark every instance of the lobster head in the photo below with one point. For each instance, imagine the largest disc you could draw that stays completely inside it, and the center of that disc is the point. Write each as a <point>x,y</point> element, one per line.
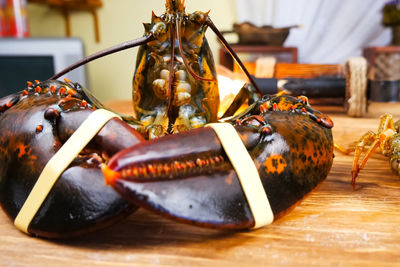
<point>173,6</point>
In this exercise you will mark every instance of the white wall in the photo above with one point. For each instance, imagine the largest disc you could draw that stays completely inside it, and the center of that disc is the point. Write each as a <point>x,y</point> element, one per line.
<point>120,20</point>
<point>332,30</point>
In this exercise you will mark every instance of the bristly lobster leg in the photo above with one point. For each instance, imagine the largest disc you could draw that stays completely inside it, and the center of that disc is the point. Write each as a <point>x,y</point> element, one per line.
<point>371,141</point>
<point>188,176</point>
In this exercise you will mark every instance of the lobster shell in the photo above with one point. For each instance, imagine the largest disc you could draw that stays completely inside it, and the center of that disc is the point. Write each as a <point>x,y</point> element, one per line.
<point>34,125</point>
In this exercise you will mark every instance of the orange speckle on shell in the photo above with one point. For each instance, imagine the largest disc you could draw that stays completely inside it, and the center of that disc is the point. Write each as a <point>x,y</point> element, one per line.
<point>84,103</point>
<point>228,180</point>
<point>275,164</point>
<point>22,149</point>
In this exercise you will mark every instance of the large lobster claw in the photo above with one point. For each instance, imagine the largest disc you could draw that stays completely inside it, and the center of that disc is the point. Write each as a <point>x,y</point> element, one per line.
<point>188,176</point>
<point>34,125</point>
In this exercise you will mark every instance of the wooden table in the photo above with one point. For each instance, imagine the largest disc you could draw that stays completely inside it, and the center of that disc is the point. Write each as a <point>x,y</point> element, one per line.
<point>333,226</point>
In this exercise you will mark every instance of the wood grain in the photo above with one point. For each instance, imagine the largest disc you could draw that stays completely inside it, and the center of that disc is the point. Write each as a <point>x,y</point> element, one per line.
<point>333,226</point>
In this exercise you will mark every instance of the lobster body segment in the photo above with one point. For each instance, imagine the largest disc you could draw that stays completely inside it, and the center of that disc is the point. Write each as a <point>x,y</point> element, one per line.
<point>175,87</point>
<point>193,181</point>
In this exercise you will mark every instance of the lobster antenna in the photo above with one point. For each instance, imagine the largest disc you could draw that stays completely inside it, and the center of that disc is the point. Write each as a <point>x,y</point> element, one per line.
<point>170,111</point>
<point>105,52</point>
<point>190,70</point>
<point>232,53</point>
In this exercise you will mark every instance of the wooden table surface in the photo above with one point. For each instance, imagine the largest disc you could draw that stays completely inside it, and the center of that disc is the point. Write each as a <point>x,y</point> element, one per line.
<point>334,226</point>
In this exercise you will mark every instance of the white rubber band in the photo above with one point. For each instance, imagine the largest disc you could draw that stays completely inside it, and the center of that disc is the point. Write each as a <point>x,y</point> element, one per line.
<point>58,163</point>
<point>247,172</point>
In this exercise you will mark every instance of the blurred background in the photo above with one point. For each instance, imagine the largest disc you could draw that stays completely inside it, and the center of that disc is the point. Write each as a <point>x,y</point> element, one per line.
<point>119,21</point>
<point>321,31</point>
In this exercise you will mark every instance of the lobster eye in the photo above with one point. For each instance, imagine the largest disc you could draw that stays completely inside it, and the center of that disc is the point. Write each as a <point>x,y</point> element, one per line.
<point>159,28</point>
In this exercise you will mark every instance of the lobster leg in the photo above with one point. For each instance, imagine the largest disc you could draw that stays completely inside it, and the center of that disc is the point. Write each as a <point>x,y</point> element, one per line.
<point>371,140</point>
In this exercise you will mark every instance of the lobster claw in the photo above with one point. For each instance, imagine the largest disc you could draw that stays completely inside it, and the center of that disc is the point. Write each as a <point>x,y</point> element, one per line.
<point>188,176</point>
<point>34,127</point>
<point>185,176</point>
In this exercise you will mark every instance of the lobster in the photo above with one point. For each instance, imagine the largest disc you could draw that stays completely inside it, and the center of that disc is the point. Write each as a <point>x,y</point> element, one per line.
<point>386,140</point>
<point>185,173</point>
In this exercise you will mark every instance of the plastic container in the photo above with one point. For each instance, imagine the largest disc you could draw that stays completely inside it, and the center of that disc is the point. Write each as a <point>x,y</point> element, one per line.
<point>15,17</point>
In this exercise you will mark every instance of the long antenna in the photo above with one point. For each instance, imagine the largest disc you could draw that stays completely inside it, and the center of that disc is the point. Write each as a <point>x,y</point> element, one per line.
<point>171,91</point>
<point>233,54</point>
<point>105,52</point>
